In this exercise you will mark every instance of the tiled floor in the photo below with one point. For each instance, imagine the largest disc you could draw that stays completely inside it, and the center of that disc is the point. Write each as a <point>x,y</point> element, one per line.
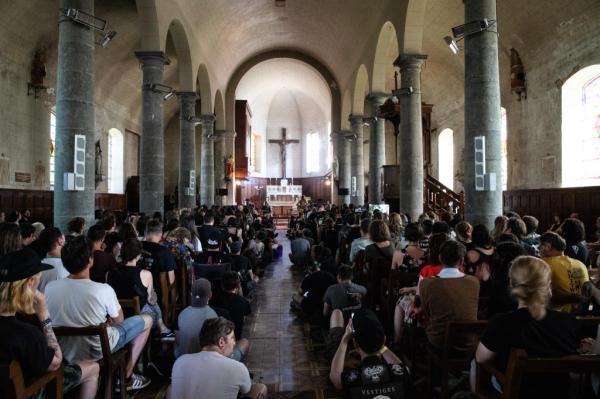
<point>282,355</point>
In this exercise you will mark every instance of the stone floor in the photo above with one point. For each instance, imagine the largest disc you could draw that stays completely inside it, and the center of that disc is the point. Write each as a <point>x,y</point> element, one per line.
<point>282,353</point>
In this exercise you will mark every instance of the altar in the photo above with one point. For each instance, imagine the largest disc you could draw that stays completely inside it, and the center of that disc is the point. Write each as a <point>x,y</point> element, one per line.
<point>283,198</point>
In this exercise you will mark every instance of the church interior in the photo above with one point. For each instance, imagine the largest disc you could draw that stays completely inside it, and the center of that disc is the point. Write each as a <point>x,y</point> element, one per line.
<point>290,132</point>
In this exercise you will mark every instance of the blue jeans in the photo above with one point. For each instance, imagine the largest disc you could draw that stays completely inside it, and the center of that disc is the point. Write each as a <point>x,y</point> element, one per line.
<point>128,330</point>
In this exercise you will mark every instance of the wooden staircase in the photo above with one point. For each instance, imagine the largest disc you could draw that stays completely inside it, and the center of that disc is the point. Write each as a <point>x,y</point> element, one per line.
<point>439,198</point>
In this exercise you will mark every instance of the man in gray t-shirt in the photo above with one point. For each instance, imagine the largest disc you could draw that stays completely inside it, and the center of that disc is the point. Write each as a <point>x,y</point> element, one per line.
<point>300,250</point>
<point>343,294</point>
<point>192,318</point>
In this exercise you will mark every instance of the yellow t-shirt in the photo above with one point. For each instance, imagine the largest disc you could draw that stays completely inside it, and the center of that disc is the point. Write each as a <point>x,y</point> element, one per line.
<point>568,276</point>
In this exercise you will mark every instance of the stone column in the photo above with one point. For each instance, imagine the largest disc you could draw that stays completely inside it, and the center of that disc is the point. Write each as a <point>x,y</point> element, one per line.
<point>152,146</point>
<point>376,149</point>
<point>357,167</point>
<point>219,165</point>
<point>343,153</point>
<point>74,115</point>
<point>207,167</point>
<point>229,148</point>
<point>187,146</point>
<point>410,143</point>
<point>482,114</point>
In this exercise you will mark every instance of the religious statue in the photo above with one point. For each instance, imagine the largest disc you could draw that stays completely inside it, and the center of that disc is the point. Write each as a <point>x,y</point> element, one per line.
<point>38,68</point>
<point>98,163</point>
<point>229,168</point>
<point>335,167</point>
<point>517,75</point>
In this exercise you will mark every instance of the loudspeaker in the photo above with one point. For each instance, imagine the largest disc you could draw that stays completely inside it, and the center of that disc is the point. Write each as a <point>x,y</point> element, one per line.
<point>222,191</point>
<point>479,149</point>
<point>79,162</point>
<point>192,185</point>
<point>343,191</point>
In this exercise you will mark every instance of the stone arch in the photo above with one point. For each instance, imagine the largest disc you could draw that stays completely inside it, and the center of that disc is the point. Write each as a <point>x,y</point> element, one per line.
<point>411,39</point>
<point>387,39</point>
<point>205,92</point>
<point>361,90</point>
<point>184,58</point>
<point>280,53</point>
<point>219,111</point>
<point>150,27</point>
<point>346,110</point>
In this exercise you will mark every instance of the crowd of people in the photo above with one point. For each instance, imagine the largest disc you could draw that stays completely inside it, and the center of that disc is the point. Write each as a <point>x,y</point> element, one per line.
<point>528,285</point>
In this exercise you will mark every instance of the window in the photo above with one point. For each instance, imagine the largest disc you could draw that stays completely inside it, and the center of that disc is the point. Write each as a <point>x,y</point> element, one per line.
<point>504,138</point>
<point>115,161</point>
<point>581,128</point>
<point>313,147</point>
<point>329,146</point>
<point>446,158</point>
<point>52,147</point>
<point>255,159</point>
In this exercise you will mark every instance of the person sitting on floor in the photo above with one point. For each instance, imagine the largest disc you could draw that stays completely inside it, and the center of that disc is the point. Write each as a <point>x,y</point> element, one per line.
<point>211,373</point>
<point>300,250</point>
<point>77,301</point>
<point>309,298</point>
<point>128,281</point>
<point>344,294</point>
<point>37,352</point>
<point>231,299</point>
<point>372,365</point>
<point>363,241</point>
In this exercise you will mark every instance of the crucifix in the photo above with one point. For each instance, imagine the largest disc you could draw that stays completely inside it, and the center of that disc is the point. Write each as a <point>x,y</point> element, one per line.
<point>282,144</point>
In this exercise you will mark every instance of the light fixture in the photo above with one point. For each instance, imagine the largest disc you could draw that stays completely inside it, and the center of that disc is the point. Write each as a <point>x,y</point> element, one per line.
<point>461,31</point>
<point>396,93</point>
<point>97,24</point>
<point>168,91</point>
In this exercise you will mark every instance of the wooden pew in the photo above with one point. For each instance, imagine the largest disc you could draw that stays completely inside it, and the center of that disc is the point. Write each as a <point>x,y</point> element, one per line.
<point>12,383</point>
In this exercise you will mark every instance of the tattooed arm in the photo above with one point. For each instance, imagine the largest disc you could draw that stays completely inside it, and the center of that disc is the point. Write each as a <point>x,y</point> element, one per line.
<point>41,309</point>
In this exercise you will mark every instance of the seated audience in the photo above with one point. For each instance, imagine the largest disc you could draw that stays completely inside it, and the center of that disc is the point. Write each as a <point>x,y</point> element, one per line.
<point>300,250</point>
<point>104,262</point>
<point>207,229</point>
<point>231,299</point>
<point>371,365</point>
<point>344,294</point>
<point>539,331</point>
<point>500,300</point>
<point>212,253</point>
<point>309,298</point>
<point>480,259</point>
<point>27,234</point>
<point>36,350</point>
<point>129,281</point>
<point>241,264</point>
<point>500,224</point>
<point>77,301</point>
<point>517,227</point>
<point>464,231</point>
<point>75,228</point>
<point>573,231</point>
<point>412,256</point>
<point>52,241</point>
<point>362,242</point>
<point>568,274</point>
<point>36,245</point>
<point>532,237</point>
<point>157,258</point>
<point>10,238</point>
<point>211,373</point>
<point>451,297</point>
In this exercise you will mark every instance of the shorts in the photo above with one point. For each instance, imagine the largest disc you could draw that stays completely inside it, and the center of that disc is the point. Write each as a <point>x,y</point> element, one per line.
<point>237,354</point>
<point>71,379</point>
<point>152,311</point>
<point>128,330</point>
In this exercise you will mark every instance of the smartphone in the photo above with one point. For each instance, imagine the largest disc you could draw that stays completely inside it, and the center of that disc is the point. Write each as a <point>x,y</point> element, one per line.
<point>352,324</point>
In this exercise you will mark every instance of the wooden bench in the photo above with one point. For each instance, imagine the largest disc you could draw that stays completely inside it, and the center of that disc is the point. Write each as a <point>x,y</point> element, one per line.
<point>12,383</point>
<point>460,343</point>
<point>110,362</point>
<point>519,365</point>
<point>168,299</point>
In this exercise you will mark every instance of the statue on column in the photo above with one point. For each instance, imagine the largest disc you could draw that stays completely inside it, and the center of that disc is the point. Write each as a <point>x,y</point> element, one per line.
<point>229,168</point>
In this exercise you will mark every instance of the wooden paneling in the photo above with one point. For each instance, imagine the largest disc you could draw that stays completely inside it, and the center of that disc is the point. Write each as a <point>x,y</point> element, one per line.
<point>41,203</point>
<point>313,187</point>
<point>545,203</point>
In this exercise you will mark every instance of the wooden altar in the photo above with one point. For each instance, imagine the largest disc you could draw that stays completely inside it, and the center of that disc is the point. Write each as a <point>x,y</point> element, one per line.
<point>283,198</point>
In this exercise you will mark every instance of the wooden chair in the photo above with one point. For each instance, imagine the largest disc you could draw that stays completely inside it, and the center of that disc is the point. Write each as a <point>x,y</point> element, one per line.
<point>131,307</point>
<point>519,365</point>
<point>110,362</point>
<point>168,299</point>
<point>379,269</point>
<point>460,342</point>
<point>183,283</point>
<point>12,383</point>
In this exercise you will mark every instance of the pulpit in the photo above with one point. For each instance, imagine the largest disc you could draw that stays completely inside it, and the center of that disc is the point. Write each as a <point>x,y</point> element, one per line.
<point>283,198</point>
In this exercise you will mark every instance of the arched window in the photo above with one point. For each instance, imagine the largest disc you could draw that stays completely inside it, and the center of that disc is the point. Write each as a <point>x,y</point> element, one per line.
<point>581,128</point>
<point>446,158</point>
<point>115,161</point>
<point>52,147</point>
<point>313,147</point>
<point>504,137</point>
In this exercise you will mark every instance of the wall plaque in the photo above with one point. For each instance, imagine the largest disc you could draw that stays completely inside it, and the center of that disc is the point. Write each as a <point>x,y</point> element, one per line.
<point>22,177</point>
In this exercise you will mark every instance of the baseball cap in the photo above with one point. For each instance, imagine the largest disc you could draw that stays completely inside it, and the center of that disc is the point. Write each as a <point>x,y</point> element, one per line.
<point>21,264</point>
<point>368,331</point>
<point>201,291</point>
<point>214,239</point>
<point>236,246</point>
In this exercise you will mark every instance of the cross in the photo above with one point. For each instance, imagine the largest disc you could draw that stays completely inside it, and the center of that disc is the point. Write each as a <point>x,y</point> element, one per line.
<point>282,143</point>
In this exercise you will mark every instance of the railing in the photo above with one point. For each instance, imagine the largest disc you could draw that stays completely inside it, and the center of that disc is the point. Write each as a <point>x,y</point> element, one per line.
<point>438,198</point>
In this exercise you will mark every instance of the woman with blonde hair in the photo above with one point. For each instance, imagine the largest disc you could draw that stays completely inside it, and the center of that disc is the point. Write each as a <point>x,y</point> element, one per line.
<point>36,350</point>
<point>500,226</point>
<point>396,229</point>
<point>541,332</point>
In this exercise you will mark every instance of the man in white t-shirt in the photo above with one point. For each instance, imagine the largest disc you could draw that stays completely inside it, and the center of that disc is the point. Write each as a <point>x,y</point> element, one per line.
<point>77,301</point>
<point>211,372</point>
<point>53,240</point>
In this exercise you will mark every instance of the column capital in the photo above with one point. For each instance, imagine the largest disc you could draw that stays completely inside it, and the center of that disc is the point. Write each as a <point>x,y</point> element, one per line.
<point>219,135</point>
<point>152,57</point>
<point>356,119</point>
<point>410,61</point>
<point>207,119</point>
<point>228,134</point>
<point>377,99</point>
<point>185,96</point>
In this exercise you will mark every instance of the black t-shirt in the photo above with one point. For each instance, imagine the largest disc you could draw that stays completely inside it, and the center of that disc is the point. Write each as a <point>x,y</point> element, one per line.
<point>577,251</point>
<point>375,378</point>
<point>212,257</point>
<point>156,258</point>
<point>26,344</point>
<point>240,264</point>
<point>237,306</point>
<point>556,335</point>
<point>127,283</point>
<point>203,233</point>
<point>316,284</point>
<point>103,263</point>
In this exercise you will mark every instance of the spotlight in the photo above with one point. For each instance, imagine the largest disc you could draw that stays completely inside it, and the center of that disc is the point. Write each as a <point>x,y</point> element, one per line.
<point>107,38</point>
<point>451,44</point>
<point>461,31</point>
<point>169,95</point>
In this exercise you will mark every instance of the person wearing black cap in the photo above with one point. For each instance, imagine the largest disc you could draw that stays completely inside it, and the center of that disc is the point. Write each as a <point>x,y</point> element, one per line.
<point>36,351</point>
<point>372,369</point>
